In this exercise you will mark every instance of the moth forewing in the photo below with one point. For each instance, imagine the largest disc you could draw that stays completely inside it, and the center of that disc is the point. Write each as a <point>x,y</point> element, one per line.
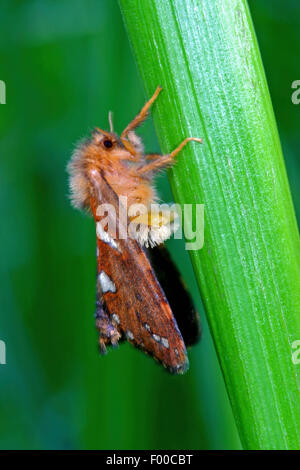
<point>131,295</point>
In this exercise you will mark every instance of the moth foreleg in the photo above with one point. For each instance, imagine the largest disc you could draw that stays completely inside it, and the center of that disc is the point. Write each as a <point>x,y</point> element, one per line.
<point>142,115</point>
<point>161,161</point>
<point>133,149</point>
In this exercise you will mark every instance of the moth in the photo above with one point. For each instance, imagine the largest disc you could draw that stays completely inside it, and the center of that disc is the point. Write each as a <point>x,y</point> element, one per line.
<point>130,301</point>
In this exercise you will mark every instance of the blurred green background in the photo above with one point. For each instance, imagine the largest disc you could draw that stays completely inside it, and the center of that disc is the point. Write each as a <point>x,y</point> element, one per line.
<point>66,64</point>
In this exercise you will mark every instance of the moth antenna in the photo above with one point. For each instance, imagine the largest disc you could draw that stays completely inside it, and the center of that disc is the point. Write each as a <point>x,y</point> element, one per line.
<point>110,121</point>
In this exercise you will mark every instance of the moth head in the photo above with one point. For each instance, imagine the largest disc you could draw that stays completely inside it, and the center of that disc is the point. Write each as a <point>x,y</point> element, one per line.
<point>109,145</point>
<point>112,146</point>
<point>107,141</point>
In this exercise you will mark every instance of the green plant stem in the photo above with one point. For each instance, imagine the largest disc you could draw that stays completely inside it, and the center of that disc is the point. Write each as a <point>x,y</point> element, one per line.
<point>205,55</point>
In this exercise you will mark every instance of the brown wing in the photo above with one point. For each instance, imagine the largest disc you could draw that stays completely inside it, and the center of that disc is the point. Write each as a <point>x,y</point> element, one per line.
<point>133,301</point>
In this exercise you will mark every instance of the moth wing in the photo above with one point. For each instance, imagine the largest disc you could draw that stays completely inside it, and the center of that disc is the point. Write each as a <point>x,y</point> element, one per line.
<point>130,291</point>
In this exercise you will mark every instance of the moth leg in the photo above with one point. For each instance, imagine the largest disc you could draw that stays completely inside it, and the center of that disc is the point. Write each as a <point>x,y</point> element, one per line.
<point>141,116</point>
<point>129,146</point>
<point>133,144</point>
<point>160,161</point>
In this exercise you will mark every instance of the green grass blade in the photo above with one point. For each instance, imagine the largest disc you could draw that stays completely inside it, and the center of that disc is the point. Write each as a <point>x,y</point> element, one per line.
<point>206,57</point>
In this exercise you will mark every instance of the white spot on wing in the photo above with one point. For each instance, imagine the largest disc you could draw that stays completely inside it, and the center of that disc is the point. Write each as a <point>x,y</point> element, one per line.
<point>105,237</point>
<point>106,283</point>
<point>129,335</point>
<point>116,318</point>
<point>165,342</point>
<point>156,337</point>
